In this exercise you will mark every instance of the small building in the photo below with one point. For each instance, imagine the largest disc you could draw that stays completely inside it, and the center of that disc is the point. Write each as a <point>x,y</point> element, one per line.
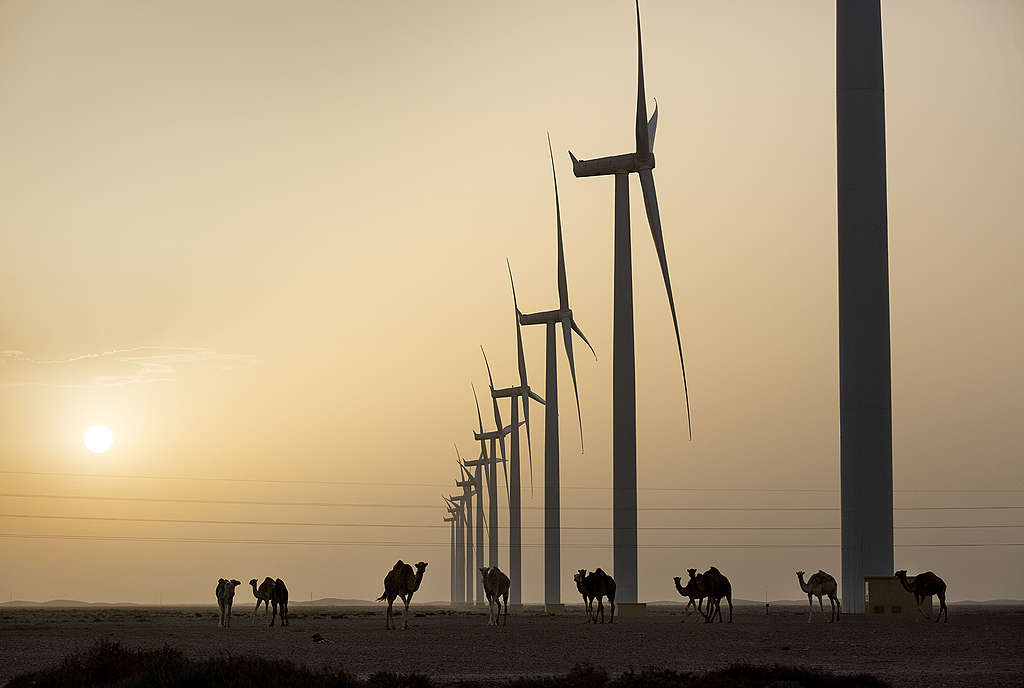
<point>886,595</point>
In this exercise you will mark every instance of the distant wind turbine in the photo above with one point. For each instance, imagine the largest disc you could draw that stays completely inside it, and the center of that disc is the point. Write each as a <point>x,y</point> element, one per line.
<point>512,476</point>
<point>623,355</point>
<point>552,319</point>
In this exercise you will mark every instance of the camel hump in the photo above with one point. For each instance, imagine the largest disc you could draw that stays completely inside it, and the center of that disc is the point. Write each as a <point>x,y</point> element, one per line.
<point>600,572</point>
<point>714,570</point>
<point>398,564</point>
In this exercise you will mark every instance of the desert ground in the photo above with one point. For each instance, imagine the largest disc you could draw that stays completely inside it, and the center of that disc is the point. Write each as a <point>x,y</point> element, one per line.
<point>979,646</point>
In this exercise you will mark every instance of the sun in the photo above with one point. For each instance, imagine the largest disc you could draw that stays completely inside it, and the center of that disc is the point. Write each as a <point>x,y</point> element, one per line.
<point>98,438</point>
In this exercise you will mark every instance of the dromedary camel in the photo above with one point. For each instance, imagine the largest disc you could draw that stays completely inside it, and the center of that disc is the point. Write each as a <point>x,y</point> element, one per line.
<point>496,586</point>
<point>401,582</point>
<point>263,595</point>
<point>581,584</point>
<point>715,586</point>
<point>924,585</point>
<point>692,591</point>
<point>598,584</point>
<point>279,600</point>
<point>818,585</point>
<point>225,596</point>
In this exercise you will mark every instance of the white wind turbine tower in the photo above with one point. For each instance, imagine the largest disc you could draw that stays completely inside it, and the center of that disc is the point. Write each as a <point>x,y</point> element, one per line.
<point>514,394</point>
<point>640,162</point>
<point>551,320</point>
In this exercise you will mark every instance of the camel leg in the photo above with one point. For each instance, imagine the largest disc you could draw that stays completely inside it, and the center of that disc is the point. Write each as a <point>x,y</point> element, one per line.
<point>611,601</point>
<point>387,614</point>
<point>274,616</point>
<point>729,600</point>
<point>600,609</point>
<point>942,608</point>
<point>405,614</point>
<point>284,613</point>
<point>810,604</point>
<point>506,610</point>
<point>821,605</point>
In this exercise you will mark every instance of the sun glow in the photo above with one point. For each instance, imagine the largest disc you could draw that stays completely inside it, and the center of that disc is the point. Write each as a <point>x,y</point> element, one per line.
<point>98,438</point>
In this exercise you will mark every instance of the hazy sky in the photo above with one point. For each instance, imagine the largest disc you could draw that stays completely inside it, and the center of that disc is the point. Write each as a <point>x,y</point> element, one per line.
<point>265,241</point>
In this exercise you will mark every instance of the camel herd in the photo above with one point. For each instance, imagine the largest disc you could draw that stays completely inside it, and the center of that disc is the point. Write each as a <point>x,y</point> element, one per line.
<point>271,593</point>
<point>402,581</point>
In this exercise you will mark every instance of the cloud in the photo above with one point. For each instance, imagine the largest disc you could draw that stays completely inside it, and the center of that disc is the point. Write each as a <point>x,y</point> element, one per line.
<point>137,365</point>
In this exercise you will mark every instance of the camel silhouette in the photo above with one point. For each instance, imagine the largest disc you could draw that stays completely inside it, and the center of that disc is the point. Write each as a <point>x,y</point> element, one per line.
<point>692,591</point>
<point>818,585</point>
<point>401,582</point>
<point>279,600</point>
<point>225,597</point>
<point>924,585</point>
<point>715,586</point>
<point>263,595</point>
<point>597,585</point>
<point>496,586</point>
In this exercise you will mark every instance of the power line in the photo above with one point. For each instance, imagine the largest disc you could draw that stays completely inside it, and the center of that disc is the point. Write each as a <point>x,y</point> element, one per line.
<point>356,483</point>
<point>399,505</point>
<point>378,543</point>
<point>446,527</point>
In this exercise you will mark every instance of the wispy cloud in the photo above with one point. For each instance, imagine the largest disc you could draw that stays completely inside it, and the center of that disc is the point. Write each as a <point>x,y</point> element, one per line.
<point>136,365</point>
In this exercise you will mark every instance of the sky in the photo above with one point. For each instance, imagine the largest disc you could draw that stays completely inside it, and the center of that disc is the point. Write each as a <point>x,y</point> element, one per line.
<point>264,242</point>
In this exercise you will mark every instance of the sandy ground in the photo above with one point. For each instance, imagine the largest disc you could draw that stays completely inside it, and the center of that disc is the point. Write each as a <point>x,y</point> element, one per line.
<point>979,646</point>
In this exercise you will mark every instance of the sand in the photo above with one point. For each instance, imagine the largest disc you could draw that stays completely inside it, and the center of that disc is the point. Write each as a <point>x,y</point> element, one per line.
<point>979,645</point>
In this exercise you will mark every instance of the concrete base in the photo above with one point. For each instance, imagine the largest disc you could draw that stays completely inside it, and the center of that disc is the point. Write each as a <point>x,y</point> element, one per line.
<point>554,608</point>
<point>628,609</point>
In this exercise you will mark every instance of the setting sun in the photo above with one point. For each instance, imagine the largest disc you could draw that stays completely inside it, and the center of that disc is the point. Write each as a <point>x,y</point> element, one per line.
<point>98,438</point>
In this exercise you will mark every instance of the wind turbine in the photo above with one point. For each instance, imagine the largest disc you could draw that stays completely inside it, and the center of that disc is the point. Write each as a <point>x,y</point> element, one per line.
<point>550,320</point>
<point>515,518</point>
<point>453,567</point>
<point>472,486</point>
<point>865,367</point>
<point>623,354</point>
<point>490,465</point>
<point>459,506</point>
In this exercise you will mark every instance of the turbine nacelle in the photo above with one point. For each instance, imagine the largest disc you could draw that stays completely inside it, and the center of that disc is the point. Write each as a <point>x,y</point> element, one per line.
<point>627,163</point>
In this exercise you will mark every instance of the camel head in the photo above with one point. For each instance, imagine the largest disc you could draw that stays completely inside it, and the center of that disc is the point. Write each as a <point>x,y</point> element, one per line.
<point>580,576</point>
<point>253,582</point>
<point>692,572</point>
<point>901,574</point>
<point>799,574</point>
<point>484,570</point>
<point>677,579</point>
<point>421,566</point>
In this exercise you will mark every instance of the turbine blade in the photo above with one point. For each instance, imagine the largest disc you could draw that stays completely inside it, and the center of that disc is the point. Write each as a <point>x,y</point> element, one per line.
<point>577,330</point>
<point>479,417</point>
<point>494,401</point>
<point>643,143</point>
<point>563,288</point>
<point>519,330</point>
<point>508,489</point>
<point>529,442</point>
<point>567,337</point>
<point>536,397</point>
<point>654,219</point>
<point>652,125</point>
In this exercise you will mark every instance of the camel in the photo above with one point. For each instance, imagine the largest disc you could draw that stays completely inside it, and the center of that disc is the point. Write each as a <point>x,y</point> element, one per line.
<point>598,584</point>
<point>715,586</point>
<point>401,582</point>
<point>279,599</point>
<point>690,590</point>
<point>925,585</point>
<point>818,585</point>
<point>580,578</point>
<point>225,596</point>
<point>496,586</point>
<point>263,594</point>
